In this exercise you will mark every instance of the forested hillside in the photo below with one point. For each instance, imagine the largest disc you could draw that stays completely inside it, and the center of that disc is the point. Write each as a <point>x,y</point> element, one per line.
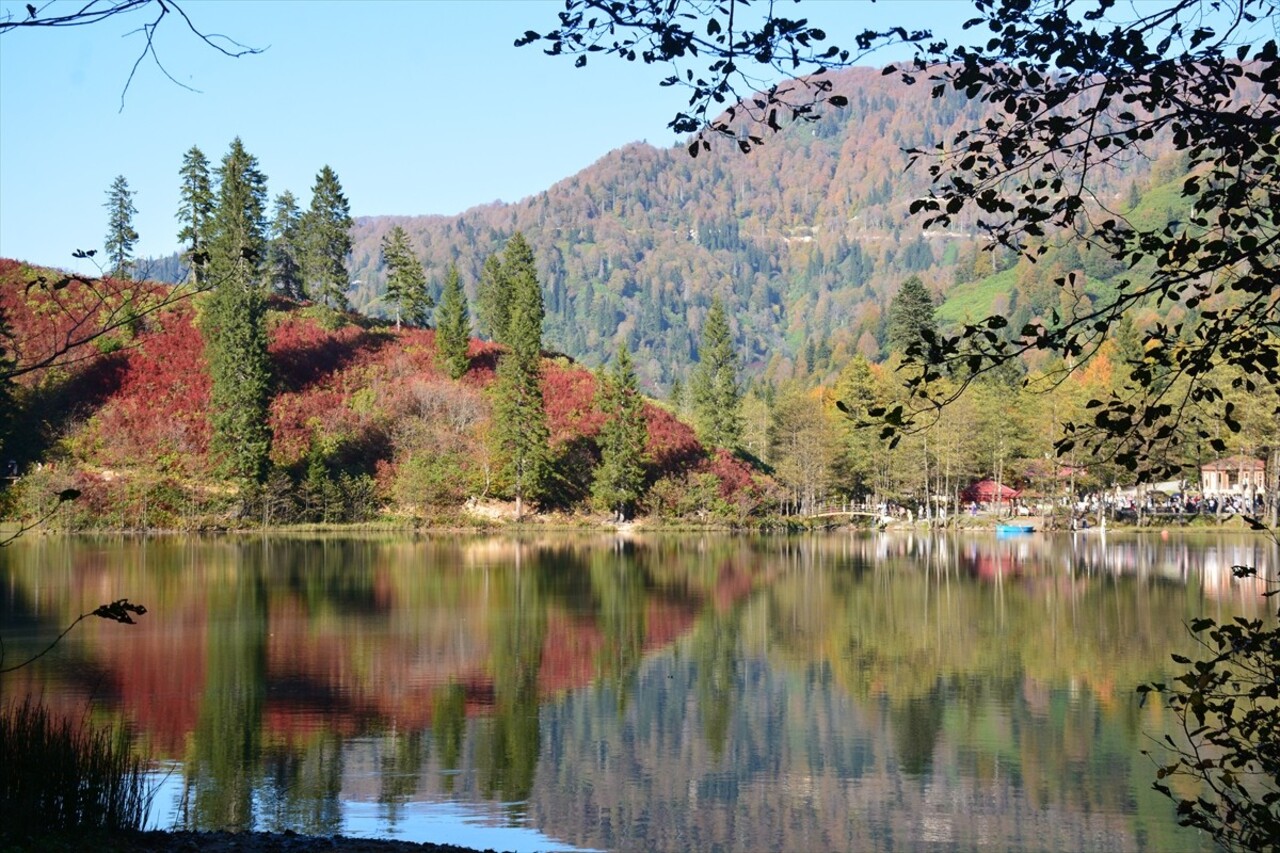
<point>806,239</point>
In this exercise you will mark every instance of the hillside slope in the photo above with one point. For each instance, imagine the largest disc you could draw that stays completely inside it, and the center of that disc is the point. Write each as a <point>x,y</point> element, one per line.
<point>364,423</point>
<point>806,239</point>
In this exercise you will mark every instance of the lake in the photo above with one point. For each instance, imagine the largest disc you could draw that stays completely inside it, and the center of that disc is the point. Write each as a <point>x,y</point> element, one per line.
<point>848,691</point>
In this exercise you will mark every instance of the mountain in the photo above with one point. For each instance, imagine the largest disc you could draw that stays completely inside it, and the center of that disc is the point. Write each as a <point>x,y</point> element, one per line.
<point>806,238</point>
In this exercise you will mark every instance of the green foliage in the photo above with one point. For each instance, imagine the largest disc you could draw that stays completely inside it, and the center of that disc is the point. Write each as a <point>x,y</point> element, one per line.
<point>57,775</point>
<point>911,320</point>
<point>619,478</point>
<point>520,431</point>
<point>493,302</point>
<point>1041,108</point>
<point>1228,736</point>
<point>234,320</point>
<point>406,281</point>
<point>286,251</point>
<point>121,237</point>
<point>694,496</point>
<point>453,326</point>
<point>237,235</point>
<point>326,238</point>
<point>427,481</point>
<point>713,389</point>
<point>195,211</point>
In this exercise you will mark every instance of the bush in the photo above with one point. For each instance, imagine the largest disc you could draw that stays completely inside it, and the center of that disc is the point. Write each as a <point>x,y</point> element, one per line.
<point>1228,739</point>
<point>55,775</point>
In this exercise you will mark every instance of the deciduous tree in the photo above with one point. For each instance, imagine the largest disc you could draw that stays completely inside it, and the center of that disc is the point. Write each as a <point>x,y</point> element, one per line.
<point>1067,89</point>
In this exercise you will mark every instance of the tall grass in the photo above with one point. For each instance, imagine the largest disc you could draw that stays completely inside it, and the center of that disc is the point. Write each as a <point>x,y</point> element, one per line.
<point>55,774</point>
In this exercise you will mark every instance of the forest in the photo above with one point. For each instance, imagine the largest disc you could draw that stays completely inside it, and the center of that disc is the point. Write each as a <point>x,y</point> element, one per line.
<point>766,305</point>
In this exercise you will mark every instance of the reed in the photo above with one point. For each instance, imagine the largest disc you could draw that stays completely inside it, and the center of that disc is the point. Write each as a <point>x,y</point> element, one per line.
<point>59,775</point>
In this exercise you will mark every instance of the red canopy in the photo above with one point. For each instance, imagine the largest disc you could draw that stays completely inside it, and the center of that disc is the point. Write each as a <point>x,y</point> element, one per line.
<point>986,491</point>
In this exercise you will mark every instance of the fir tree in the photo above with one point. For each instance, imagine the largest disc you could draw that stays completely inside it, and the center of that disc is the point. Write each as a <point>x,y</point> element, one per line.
<point>911,320</point>
<point>406,282</point>
<point>501,282</point>
<point>234,320</point>
<point>453,327</point>
<point>121,238</point>
<point>714,391</point>
<point>195,212</point>
<point>285,252</point>
<point>520,274</point>
<point>619,479</point>
<point>520,432</point>
<point>493,299</point>
<point>237,233</point>
<point>326,231</point>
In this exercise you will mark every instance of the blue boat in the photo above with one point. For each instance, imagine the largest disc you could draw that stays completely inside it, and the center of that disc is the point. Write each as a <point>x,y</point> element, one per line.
<point>1011,529</point>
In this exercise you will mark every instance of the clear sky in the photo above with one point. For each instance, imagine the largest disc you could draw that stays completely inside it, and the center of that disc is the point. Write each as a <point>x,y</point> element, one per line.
<point>420,107</point>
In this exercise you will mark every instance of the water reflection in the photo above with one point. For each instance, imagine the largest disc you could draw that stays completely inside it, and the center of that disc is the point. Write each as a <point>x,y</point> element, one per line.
<point>834,692</point>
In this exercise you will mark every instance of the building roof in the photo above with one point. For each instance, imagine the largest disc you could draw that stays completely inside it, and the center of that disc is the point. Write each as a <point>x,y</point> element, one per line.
<point>1238,462</point>
<point>985,490</point>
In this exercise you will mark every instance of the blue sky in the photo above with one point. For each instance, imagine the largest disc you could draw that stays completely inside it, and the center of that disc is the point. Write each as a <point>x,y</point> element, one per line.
<point>420,107</point>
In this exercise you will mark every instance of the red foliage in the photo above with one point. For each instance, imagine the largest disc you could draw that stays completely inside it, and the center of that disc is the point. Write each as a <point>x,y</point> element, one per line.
<point>158,411</point>
<point>304,354</point>
<point>672,445</point>
<point>569,396</point>
<point>53,315</point>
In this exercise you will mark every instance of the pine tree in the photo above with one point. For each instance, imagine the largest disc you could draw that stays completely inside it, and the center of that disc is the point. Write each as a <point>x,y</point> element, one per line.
<point>453,327</point>
<point>285,252</point>
<point>713,388</point>
<point>121,238</point>
<point>195,212</point>
<point>326,228</point>
<point>406,282</point>
<point>234,320</point>
<point>619,479</point>
<point>520,432</point>
<point>911,316</point>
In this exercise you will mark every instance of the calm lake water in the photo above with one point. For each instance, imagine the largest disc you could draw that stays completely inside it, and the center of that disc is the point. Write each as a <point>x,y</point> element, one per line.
<point>850,691</point>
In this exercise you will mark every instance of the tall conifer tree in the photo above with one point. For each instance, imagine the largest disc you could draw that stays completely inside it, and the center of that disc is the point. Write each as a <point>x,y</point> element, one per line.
<point>406,282</point>
<point>910,315</point>
<point>453,326</point>
<point>619,479</point>
<point>285,252</point>
<point>327,236</point>
<point>493,299</point>
<point>235,320</point>
<point>714,391</point>
<point>121,238</point>
<point>520,431</point>
<point>195,212</point>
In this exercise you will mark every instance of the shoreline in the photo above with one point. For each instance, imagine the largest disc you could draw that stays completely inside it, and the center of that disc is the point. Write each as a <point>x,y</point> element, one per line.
<point>555,524</point>
<point>182,841</point>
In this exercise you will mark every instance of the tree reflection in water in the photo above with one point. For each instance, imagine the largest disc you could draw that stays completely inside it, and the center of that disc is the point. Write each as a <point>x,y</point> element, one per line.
<point>838,691</point>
